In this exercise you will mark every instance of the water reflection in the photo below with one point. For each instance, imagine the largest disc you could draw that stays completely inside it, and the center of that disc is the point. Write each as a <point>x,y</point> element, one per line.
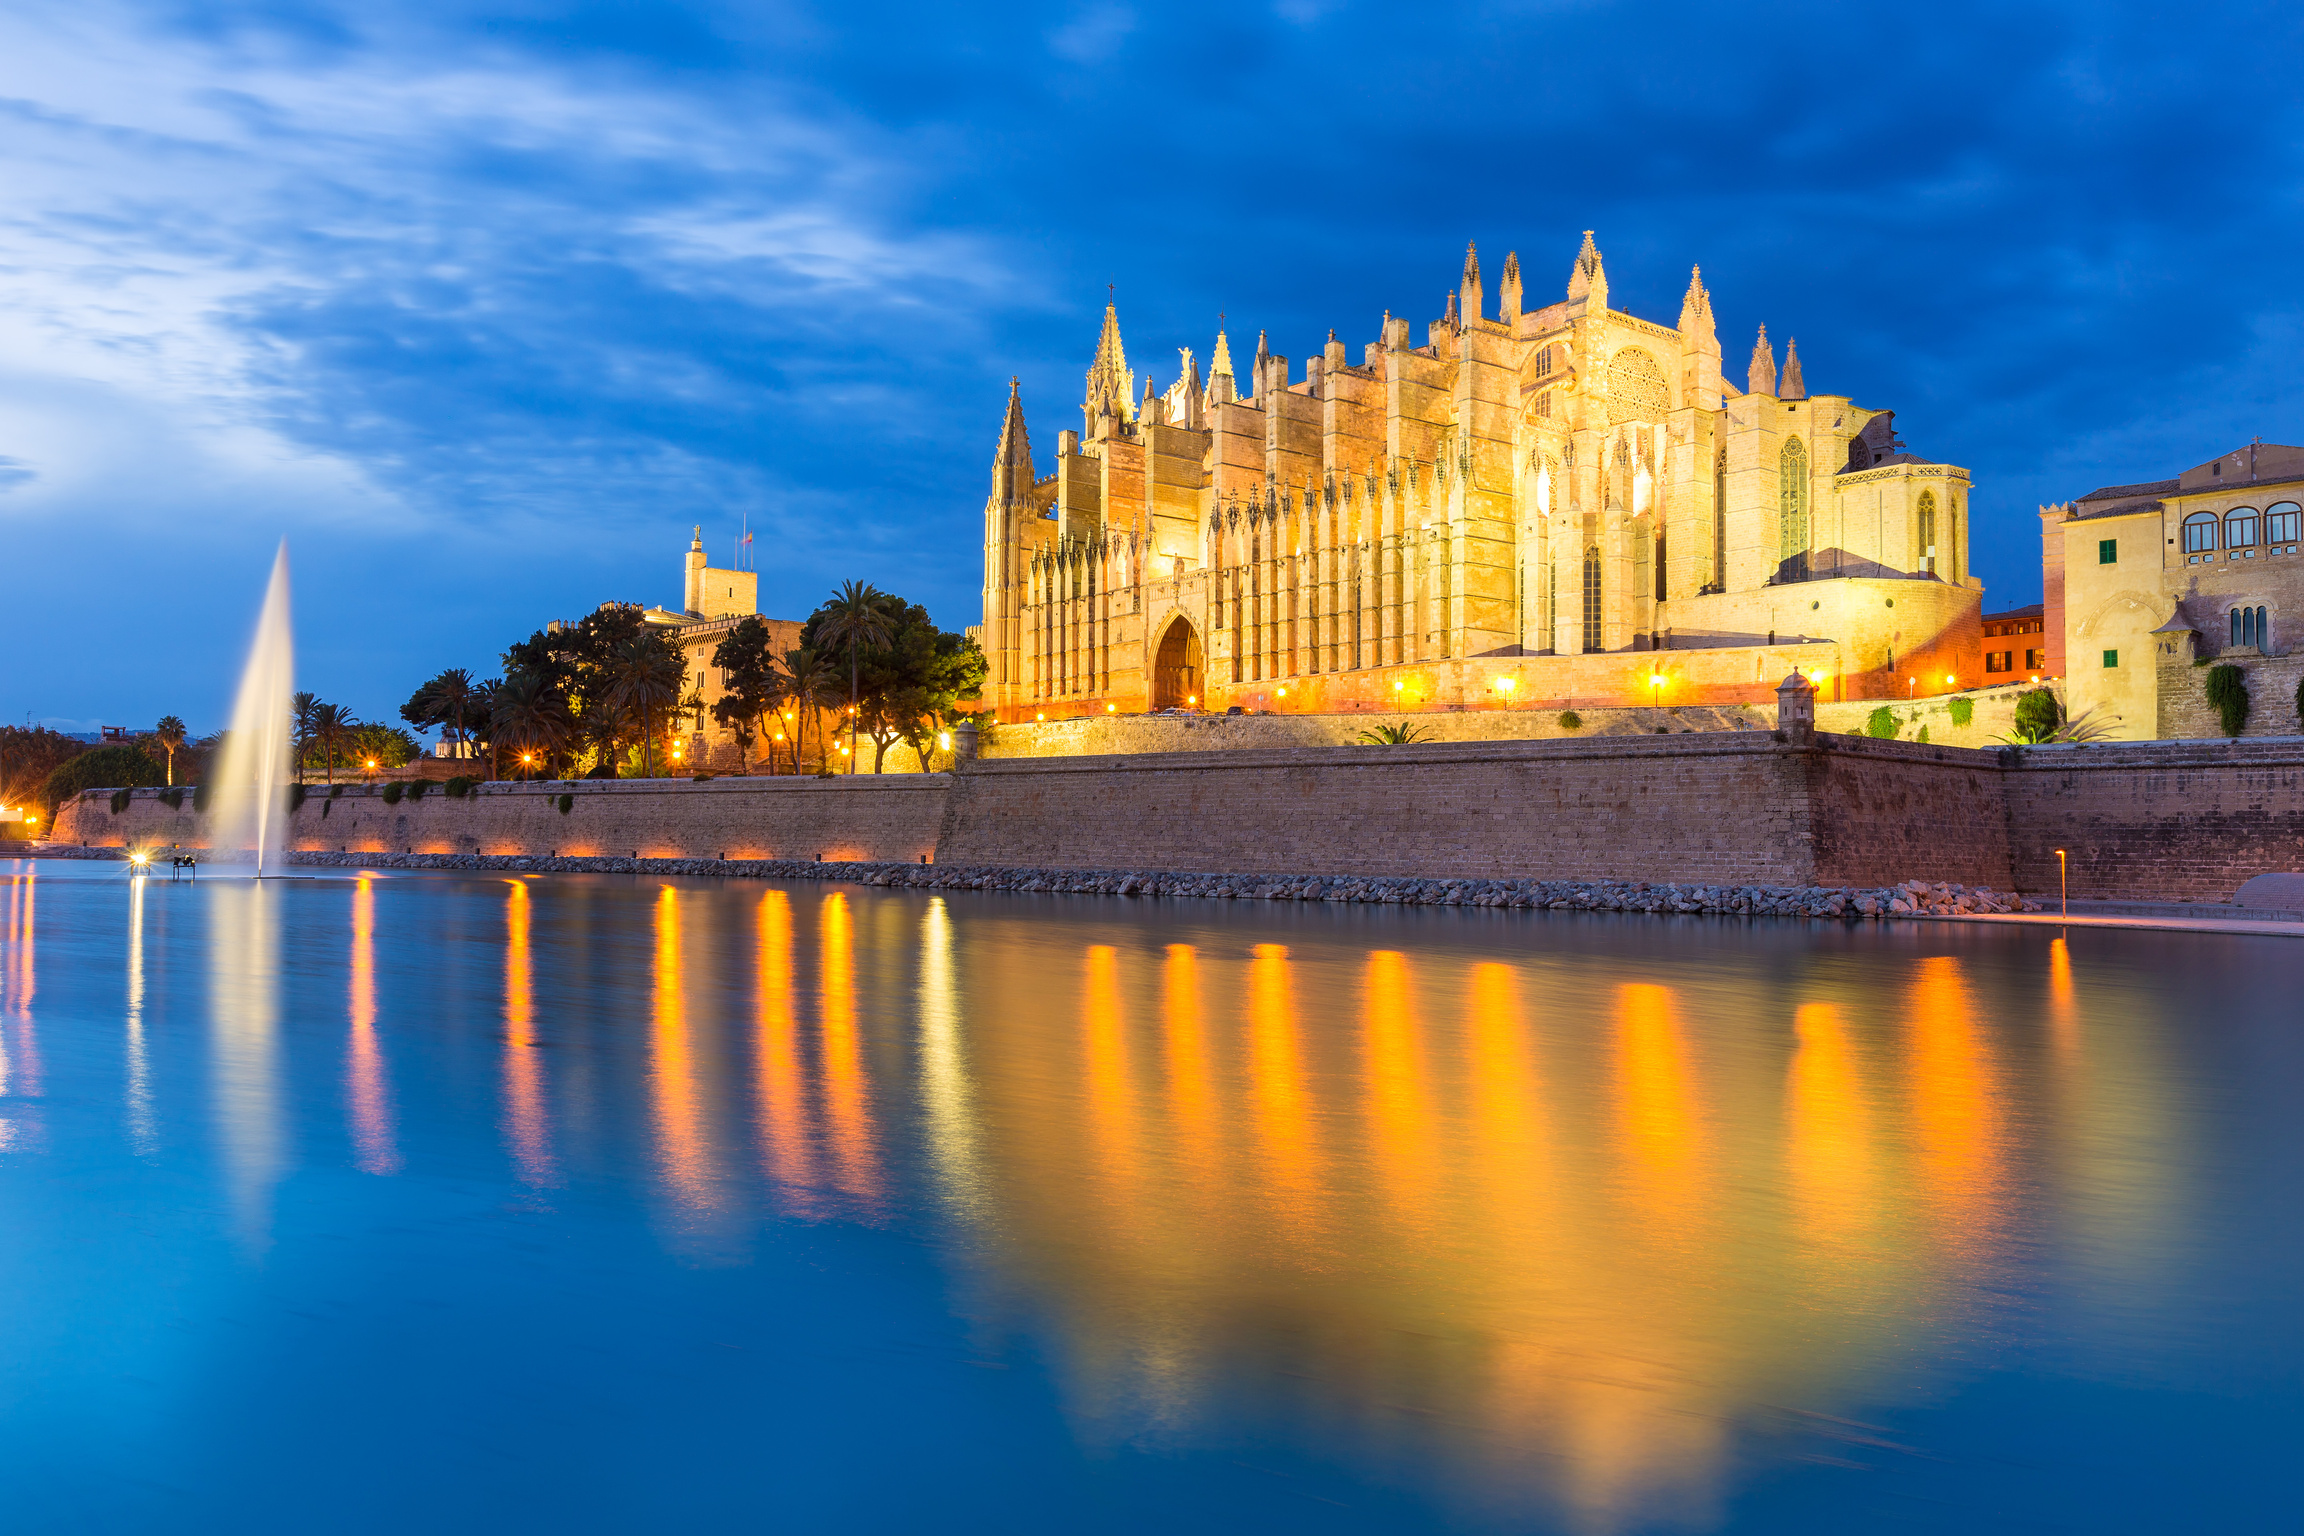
<point>1536,1233</point>
<point>19,1045</point>
<point>527,1123</point>
<point>369,1093</point>
<point>141,1133</point>
<point>244,1047</point>
<point>946,1097</point>
<point>683,1155</point>
<point>855,1170</point>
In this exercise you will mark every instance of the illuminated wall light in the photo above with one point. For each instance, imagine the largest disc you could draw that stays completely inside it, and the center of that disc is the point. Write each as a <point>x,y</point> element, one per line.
<point>1111,709</point>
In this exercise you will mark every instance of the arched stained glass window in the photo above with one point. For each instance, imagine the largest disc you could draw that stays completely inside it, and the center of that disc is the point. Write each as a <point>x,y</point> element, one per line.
<point>1792,503</point>
<point>2200,533</point>
<point>1928,531</point>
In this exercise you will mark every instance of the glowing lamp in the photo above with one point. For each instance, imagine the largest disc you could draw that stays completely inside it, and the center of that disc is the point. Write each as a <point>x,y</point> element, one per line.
<point>1192,698</point>
<point>1111,709</point>
<point>1507,683</point>
<point>1949,680</point>
<point>944,740</point>
<point>1398,684</point>
<point>1041,716</point>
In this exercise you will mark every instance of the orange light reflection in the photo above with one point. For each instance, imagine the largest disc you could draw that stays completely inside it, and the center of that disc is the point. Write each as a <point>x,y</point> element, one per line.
<point>371,1099</point>
<point>527,1125</point>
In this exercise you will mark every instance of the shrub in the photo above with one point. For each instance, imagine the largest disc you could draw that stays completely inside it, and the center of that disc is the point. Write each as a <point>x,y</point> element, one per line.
<point>457,788</point>
<point>1881,726</point>
<point>2300,701</point>
<point>566,803</point>
<point>1963,711</point>
<point>115,767</point>
<point>703,778</point>
<point>120,799</point>
<point>418,788</point>
<point>173,797</point>
<point>393,791</point>
<point>1570,720</point>
<point>201,795</point>
<point>295,798</point>
<point>1398,735</point>
<point>335,791</point>
<point>1923,736</point>
<point>2037,715</point>
<point>2228,691</point>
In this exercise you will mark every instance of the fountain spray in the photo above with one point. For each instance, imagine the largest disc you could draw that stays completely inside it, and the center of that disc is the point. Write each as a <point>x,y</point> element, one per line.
<point>251,781</point>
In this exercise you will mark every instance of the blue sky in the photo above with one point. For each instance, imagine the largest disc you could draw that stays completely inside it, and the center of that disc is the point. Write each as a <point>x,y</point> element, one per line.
<point>482,306</point>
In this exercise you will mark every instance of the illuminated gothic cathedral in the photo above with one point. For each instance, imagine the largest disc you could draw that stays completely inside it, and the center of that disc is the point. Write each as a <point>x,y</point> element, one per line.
<point>1546,505</point>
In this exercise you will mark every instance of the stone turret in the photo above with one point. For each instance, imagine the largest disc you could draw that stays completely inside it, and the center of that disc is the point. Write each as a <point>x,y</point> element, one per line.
<point>1796,710</point>
<point>692,600</point>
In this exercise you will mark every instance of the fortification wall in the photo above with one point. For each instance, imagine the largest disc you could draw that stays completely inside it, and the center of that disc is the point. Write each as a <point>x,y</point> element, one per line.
<point>1108,735</point>
<point>893,818</point>
<point>1715,807</point>
<point>2166,820</point>
<point>2150,821</point>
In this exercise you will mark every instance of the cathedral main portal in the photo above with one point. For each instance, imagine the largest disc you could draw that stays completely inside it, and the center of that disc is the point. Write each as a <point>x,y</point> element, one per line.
<point>1176,670</point>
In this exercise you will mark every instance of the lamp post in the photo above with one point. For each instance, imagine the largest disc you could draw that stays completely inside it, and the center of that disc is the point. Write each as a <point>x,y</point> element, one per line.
<point>2063,883</point>
<point>1913,691</point>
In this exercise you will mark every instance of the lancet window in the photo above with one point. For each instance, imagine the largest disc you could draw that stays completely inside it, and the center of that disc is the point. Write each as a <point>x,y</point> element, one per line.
<point>1792,505</point>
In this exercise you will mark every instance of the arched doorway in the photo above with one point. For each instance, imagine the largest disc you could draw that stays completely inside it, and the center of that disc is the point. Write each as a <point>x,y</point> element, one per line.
<point>1176,667</point>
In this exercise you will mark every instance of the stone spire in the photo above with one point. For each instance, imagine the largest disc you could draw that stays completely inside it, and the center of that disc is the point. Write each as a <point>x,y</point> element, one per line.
<point>1696,304</point>
<point>1015,444</point>
<point>1150,409</point>
<point>1263,361</point>
<point>1588,274</point>
<point>1452,320</point>
<point>1760,378</point>
<point>1508,289</point>
<point>1473,295</point>
<point>1794,388</point>
<point>1222,387</point>
<point>1111,385</point>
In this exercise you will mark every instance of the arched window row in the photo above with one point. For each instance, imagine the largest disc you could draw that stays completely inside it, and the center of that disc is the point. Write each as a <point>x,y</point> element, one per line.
<point>2242,533</point>
<point>2251,626</point>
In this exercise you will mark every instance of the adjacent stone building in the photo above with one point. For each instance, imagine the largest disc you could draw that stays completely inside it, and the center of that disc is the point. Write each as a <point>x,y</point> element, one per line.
<point>1537,504</point>
<point>2147,584</point>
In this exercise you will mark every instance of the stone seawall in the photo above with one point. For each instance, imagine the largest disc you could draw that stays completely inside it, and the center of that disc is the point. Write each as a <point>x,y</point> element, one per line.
<point>2150,821</point>
<point>2172,820</point>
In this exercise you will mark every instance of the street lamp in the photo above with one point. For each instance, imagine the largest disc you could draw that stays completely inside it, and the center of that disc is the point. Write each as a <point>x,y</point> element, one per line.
<point>1913,691</point>
<point>2063,882</point>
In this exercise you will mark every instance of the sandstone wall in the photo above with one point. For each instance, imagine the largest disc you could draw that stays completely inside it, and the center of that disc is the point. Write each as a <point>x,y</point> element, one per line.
<point>2158,821</point>
<point>2185,713</point>
<point>1715,807</point>
<point>1101,735</point>
<point>893,818</point>
<point>2171,820</point>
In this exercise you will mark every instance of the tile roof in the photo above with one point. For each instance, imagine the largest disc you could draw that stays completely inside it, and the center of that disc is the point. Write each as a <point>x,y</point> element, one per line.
<point>2124,492</point>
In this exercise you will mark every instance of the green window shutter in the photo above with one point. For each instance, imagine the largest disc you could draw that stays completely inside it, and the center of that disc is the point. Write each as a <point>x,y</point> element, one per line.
<point>2107,553</point>
<point>2111,658</point>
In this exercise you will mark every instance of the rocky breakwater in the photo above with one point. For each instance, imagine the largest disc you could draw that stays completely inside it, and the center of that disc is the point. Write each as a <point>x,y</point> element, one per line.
<point>1914,898</point>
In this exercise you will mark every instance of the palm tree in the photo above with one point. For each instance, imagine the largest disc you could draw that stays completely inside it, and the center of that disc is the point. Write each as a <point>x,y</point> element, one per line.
<point>454,702</point>
<point>645,676</point>
<point>854,617</point>
<point>332,726</point>
<point>529,716</point>
<point>807,674</point>
<point>306,706</point>
<point>1400,735</point>
<point>170,734</point>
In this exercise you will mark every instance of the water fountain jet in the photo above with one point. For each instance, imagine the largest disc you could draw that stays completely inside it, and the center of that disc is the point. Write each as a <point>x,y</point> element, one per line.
<point>248,809</point>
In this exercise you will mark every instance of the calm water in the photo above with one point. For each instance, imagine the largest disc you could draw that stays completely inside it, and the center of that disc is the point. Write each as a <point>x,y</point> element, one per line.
<point>469,1204</point>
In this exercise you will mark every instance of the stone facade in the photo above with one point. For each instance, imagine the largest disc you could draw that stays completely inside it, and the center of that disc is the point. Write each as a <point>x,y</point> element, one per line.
<point>1549,486</point>
<point>2143,580</point>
